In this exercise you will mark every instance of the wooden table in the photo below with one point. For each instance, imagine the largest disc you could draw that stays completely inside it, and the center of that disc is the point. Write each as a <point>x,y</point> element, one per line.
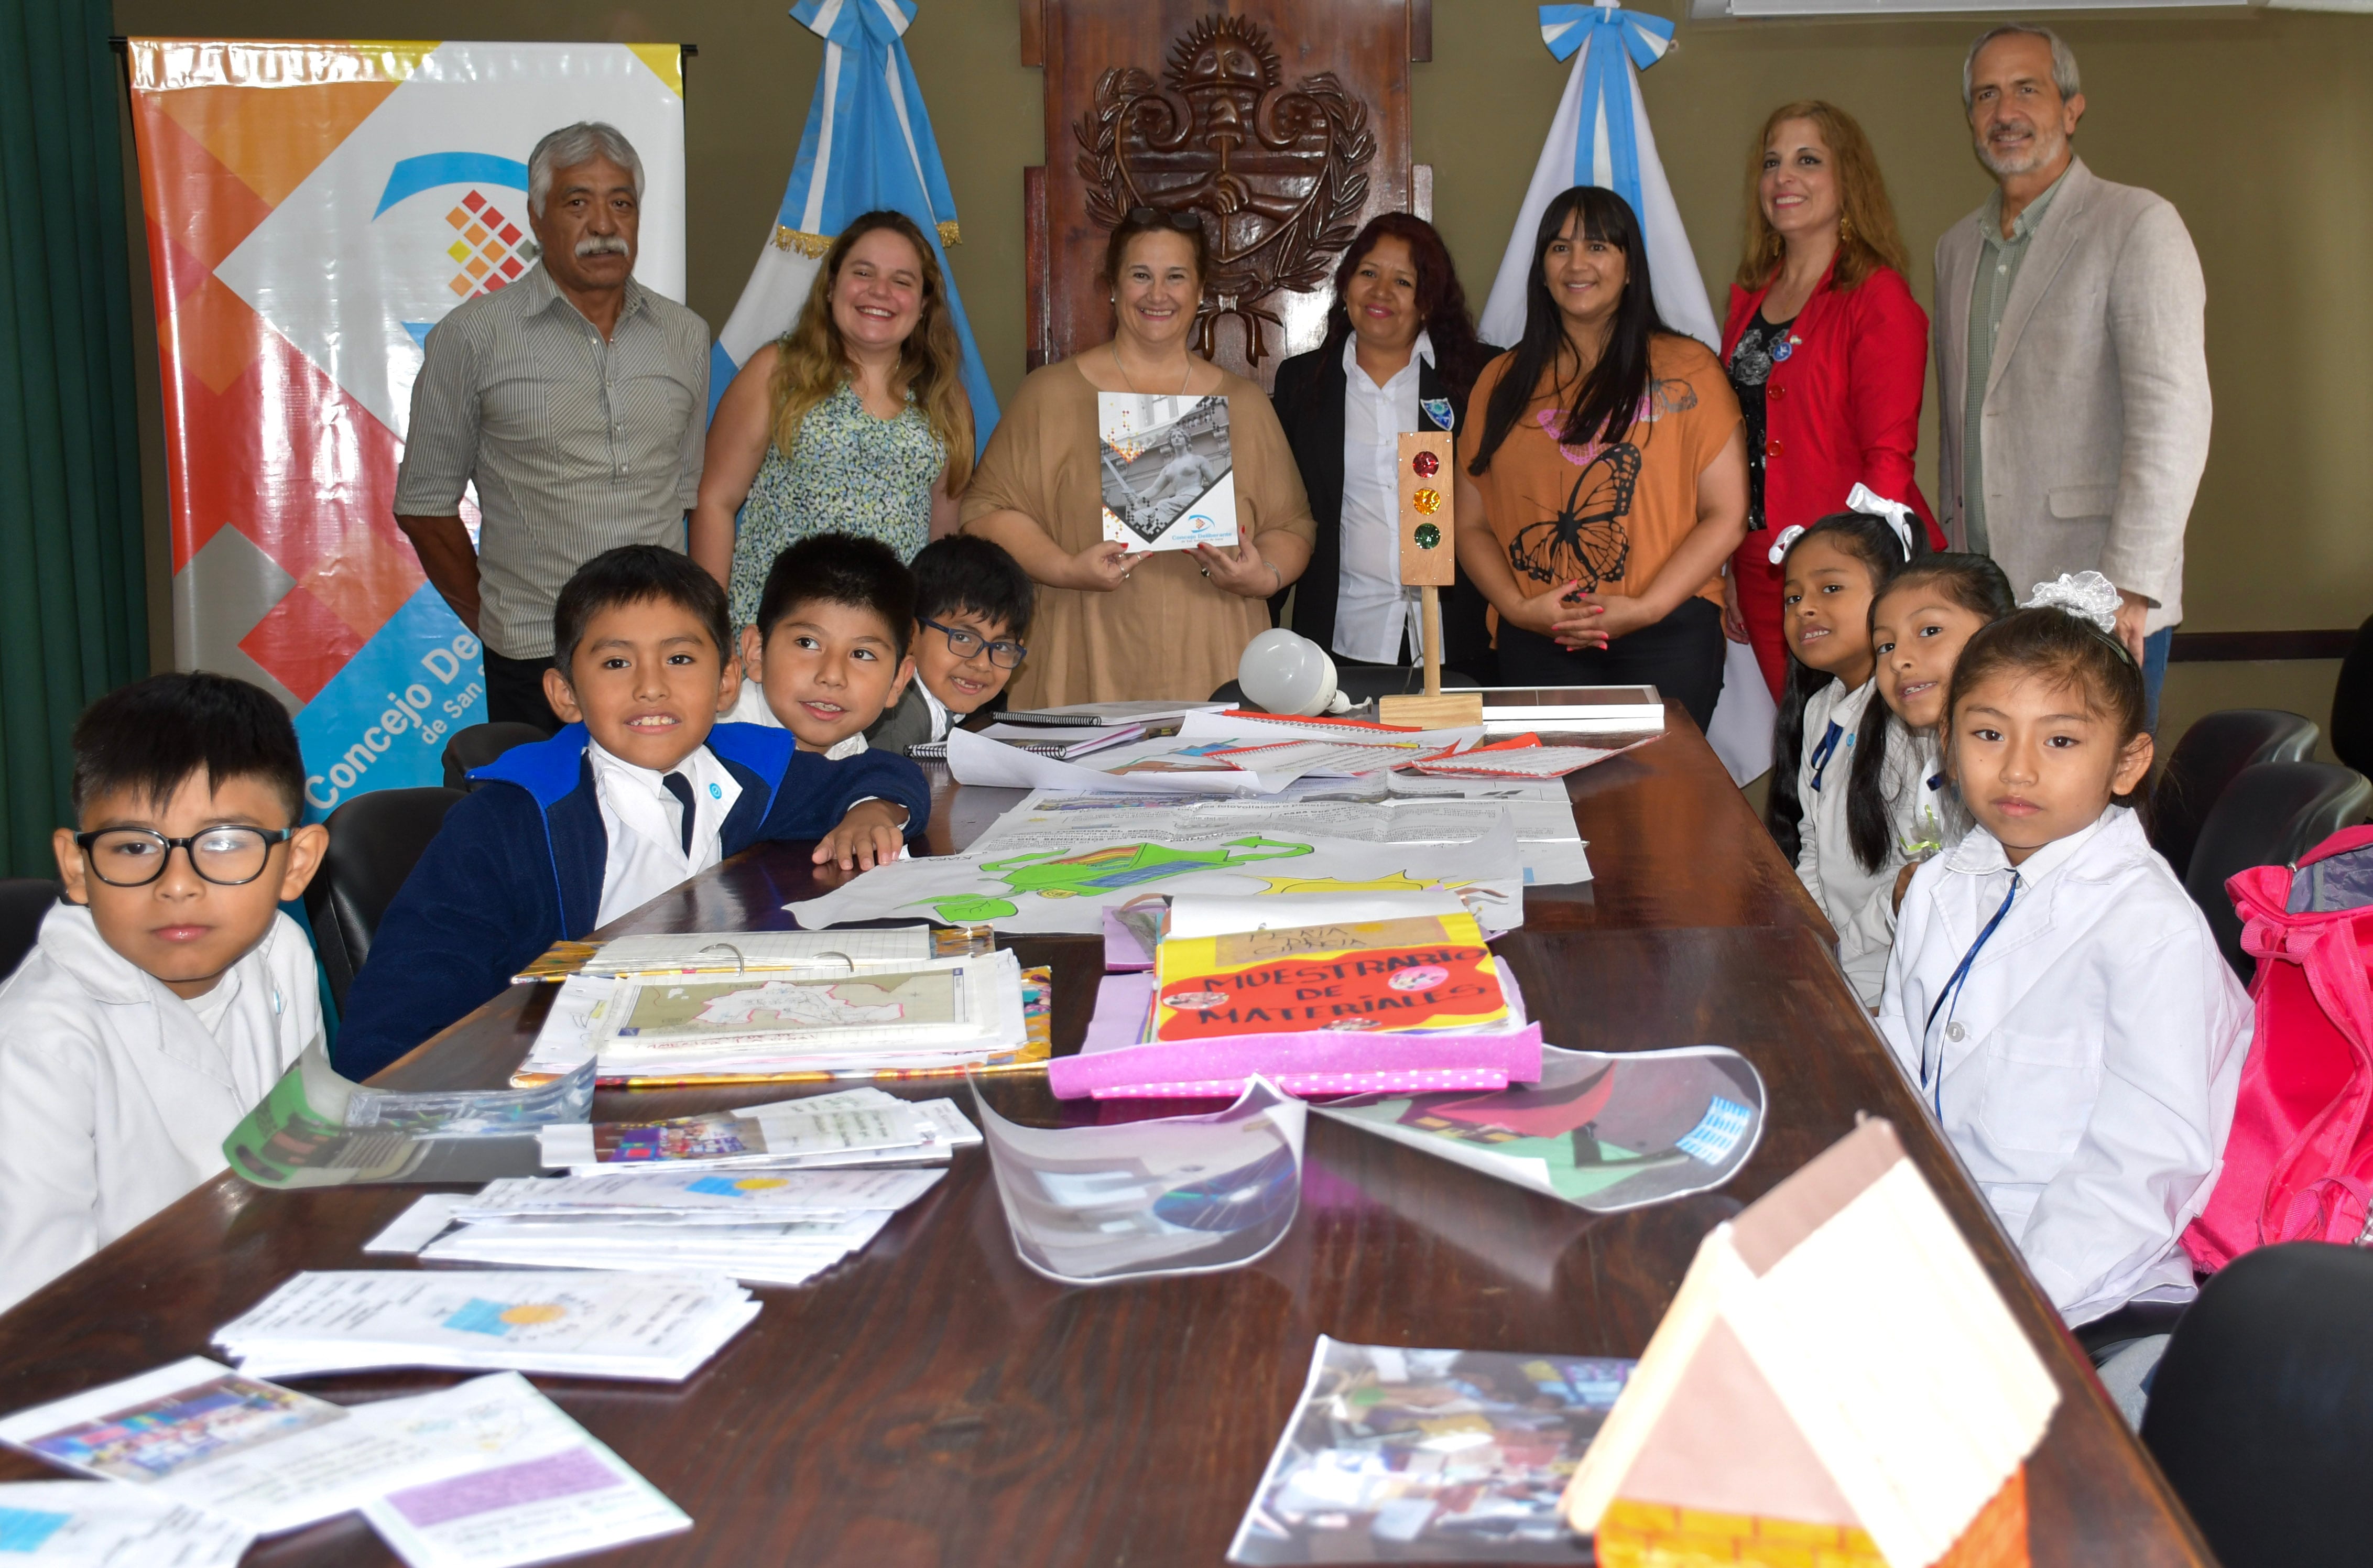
<point>932,1402</point>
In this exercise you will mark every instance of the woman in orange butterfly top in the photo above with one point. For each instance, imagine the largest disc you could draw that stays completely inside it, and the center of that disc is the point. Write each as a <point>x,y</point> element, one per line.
<point>1606,482</point>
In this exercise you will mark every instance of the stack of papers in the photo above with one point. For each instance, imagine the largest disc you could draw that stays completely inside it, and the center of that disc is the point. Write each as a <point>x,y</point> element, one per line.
<point>202,1460</point>
<point>658,1326</point>
<point>854,1013</point>
<point>775,1227</point>
<point>1099,714</point>
<point>857,1126</point>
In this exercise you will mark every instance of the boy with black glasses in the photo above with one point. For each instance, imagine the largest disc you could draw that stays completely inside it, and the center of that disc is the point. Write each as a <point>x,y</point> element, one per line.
<point>972,608</point>
<point>169,993</point>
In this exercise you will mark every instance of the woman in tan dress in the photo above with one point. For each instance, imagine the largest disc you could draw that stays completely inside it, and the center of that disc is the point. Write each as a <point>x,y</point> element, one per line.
<point>1112,626</point>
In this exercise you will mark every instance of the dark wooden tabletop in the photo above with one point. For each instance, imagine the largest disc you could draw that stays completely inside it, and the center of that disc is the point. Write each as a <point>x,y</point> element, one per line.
<point>932,1402</point>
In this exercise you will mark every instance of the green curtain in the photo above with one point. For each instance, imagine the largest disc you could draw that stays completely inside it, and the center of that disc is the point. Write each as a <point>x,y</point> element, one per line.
<point>72,608</point>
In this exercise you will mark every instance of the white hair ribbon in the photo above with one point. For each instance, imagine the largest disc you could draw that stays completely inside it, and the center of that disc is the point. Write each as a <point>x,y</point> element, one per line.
<point>1897,515</point>
<point>1787,536</point>
<point>2089,596</point>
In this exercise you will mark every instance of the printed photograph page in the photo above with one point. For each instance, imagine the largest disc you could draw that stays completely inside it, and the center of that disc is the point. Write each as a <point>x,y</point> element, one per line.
<point>1429,1456</point>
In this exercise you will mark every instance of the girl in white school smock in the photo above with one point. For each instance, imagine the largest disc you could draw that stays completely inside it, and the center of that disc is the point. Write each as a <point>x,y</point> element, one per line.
<point>2055,997</point>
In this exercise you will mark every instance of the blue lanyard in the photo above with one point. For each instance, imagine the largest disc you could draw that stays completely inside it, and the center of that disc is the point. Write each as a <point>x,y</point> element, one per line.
<point>1821,753</point>
<point>1951,994</point>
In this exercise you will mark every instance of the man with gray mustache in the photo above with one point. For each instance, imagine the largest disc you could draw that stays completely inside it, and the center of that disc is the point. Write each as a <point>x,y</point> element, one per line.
<point>2071,375</point>
<point>578,401</point>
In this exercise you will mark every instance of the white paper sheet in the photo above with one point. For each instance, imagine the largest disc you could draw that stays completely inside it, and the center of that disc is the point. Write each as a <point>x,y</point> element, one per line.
<point>591,1324</point>
<point>539,1487</point>
<point>1055,890</point>
<point>83,1524</point>
<point>264,1457</point>
<point>1399,809</point>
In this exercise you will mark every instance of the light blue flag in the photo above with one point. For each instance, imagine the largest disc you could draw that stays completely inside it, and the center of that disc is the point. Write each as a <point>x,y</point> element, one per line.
<point>867,145</point>
<point>1600,136</point>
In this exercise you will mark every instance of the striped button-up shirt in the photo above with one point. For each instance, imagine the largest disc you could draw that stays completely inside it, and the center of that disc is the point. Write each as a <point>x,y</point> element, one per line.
<point>1998,264</point>
<point>576,444</point>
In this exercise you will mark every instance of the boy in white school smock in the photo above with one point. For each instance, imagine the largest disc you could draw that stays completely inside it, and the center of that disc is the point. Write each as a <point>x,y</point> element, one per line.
<point>168,993</point>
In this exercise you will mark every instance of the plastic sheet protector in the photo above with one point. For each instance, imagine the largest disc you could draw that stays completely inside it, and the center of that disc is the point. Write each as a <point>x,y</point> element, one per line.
<point>1177,1195</point>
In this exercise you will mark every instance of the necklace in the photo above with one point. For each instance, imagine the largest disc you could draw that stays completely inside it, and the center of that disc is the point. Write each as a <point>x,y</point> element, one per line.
<point>1114,349</point>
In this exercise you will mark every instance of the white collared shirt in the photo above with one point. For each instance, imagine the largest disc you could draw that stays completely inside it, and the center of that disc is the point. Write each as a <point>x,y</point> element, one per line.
<point>1374,614</point>
<point>644,824</point>
<point>116,1095</point>
<point>2087,1069</point>
<point>750,708</point>
<point>944,718</point>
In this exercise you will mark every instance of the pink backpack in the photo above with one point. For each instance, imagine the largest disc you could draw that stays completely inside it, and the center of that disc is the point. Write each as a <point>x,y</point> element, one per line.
<point>2298,1165</point>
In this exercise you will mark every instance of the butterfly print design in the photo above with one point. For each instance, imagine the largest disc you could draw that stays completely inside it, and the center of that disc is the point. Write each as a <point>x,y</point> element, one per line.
<point>1587,539</point>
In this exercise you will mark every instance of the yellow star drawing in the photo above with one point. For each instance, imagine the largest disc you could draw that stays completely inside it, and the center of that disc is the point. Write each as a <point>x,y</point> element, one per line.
<point>1397,882</point>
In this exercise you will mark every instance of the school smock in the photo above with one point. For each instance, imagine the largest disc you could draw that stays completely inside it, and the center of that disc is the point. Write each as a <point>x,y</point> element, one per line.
<point>1825,857</point>
<point>116,1096</point>
<point>520,863</point>
<point>2087,1067</point>
<point>1923,818</point>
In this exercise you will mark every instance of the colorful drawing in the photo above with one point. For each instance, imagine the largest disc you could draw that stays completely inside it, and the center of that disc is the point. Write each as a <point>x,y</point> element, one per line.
<point>1049,874</point>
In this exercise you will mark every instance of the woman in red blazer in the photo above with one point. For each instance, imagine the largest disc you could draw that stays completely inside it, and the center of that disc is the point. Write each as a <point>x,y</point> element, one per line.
<point>1826,350</point>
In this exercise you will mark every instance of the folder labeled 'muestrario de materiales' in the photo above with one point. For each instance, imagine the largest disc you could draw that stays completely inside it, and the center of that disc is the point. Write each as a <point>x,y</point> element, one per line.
<point>1836,1383</point>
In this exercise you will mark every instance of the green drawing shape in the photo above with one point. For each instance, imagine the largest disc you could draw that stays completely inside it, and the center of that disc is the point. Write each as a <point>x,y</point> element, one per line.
<point>1116,869</point>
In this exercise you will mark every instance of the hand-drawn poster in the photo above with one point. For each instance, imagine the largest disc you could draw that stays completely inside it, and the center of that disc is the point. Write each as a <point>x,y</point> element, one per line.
<point>1167,470</point>
<point>1058,889</point>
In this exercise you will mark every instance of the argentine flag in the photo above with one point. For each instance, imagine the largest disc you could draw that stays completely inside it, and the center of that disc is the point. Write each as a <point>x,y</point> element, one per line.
<point>867,145</point>
<point>1600,136</point>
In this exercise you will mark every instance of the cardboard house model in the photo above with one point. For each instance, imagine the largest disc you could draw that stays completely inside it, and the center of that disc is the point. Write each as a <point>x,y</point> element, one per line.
<point>1836,1385</point>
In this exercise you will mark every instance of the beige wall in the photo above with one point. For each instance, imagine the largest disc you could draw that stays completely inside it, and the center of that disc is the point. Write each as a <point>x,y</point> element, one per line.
<point>2257,125</point>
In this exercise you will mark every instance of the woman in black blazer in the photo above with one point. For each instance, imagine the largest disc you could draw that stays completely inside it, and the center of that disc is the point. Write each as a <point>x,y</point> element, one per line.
<point>1397,308</point>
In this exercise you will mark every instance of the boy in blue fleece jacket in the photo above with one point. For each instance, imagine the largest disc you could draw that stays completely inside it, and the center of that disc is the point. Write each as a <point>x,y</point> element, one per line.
<point>642,791</point>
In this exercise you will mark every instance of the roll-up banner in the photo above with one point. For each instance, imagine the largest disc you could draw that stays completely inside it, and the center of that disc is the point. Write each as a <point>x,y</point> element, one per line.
<point>313,209</point>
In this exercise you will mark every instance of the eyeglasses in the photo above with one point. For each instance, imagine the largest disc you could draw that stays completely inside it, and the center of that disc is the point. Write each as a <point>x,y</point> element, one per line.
<point>1186,221</point>
<point>134,857</point>
<point>967,645</point>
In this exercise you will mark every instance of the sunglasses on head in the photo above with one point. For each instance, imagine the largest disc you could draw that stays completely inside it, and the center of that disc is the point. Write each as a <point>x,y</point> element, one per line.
<point>1180,220</point>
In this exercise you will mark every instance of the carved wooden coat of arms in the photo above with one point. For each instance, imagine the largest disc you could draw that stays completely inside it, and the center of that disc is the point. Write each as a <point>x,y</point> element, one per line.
<point>1276,176</point>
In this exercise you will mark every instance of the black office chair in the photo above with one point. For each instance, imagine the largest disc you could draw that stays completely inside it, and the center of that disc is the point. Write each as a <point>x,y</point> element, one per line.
<point>480,744</point>
<point>2215,748</point>
<point>1366,683</point>
<point>2351,705</point>
<point>2261,1411</point>
<point>25,903</point>
<point>375,840</point>
<point>2270,816</point>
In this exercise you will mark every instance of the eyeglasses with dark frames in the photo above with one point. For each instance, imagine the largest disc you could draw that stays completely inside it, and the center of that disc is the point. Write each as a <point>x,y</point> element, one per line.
<point>228,855</point>
<point>967,645</point>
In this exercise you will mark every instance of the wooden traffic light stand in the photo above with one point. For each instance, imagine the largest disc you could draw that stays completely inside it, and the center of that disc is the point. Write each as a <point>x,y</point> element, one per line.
<point>1428,563</point>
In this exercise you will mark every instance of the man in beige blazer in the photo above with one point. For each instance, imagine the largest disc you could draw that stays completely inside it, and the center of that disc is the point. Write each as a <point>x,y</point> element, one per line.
<point>2071,374</point>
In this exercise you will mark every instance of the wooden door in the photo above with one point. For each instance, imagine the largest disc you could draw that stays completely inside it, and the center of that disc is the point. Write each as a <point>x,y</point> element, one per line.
<point>1282,124</point>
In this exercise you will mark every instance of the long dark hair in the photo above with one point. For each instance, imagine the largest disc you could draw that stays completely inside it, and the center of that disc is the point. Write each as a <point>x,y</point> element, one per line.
<point>1977,585</point>
<point>2049,642</point>
<point>1605,401</point>
<point>1458,353</point>
<point>1872,540</point>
